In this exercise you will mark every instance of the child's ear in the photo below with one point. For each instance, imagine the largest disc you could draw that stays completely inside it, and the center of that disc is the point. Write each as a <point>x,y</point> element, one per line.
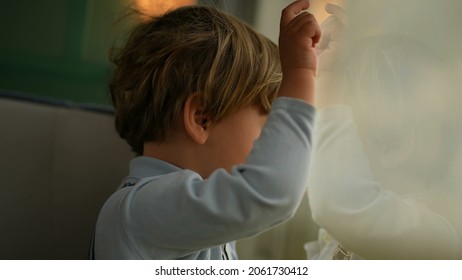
<point>196,122</point>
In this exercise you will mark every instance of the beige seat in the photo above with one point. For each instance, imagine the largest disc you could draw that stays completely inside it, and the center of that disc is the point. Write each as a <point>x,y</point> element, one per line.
<point>58,164</point>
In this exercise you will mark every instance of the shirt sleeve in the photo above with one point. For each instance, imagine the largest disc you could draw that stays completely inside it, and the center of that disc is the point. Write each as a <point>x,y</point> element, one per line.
<point>182,211</point>
<point>355,209</point>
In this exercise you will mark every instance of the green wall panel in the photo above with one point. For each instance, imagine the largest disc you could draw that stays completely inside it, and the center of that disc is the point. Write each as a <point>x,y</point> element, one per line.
<point>58,48</point>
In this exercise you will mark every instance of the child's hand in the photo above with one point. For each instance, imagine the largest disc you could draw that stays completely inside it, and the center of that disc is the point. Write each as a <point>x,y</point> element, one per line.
<point>299,34</point>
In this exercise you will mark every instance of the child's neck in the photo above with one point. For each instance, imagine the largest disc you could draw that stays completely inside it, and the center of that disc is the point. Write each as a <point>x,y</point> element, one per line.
<point>178,152</point>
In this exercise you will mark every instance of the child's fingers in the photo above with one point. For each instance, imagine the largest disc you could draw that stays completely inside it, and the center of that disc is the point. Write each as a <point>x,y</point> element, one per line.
<point>291,11</point>
<point>317,34</point>
<point>336,11</point>
<point>306,25</point>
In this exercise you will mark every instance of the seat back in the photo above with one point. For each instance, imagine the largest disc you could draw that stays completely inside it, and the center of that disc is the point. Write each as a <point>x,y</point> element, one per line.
<point>59,162</point>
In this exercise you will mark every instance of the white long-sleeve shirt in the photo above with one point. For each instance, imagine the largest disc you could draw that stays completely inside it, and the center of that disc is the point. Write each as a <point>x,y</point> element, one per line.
<point>354,208</point>
<point>170,213</point>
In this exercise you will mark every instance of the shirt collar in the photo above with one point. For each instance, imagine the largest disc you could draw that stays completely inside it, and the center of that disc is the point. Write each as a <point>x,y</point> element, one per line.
<point>141,167</point>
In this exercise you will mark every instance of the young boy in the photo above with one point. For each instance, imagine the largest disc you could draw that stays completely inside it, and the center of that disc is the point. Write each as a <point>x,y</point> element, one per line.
<point>217,159</point>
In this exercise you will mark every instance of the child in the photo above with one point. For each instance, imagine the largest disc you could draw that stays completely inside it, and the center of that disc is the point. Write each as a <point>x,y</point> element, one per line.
<point>218,160</point>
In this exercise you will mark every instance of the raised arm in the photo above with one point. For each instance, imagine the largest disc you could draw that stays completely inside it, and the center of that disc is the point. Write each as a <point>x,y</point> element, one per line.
<point>299,34</point>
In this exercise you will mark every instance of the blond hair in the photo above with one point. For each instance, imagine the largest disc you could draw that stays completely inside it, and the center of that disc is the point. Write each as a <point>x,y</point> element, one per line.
<point>189,50</point>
